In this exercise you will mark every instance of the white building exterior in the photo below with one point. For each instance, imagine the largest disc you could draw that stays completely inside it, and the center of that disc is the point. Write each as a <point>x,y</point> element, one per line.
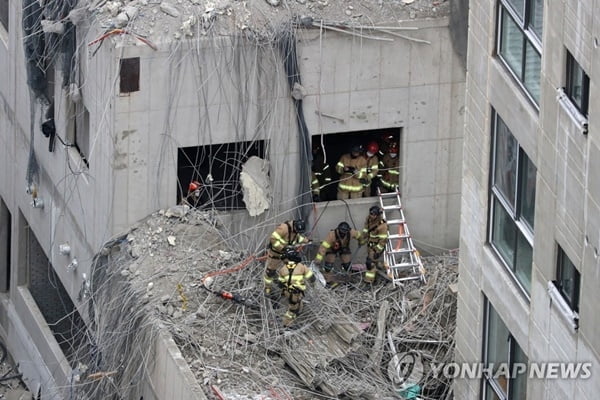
<point>530,224</point>
<point>199,91</point>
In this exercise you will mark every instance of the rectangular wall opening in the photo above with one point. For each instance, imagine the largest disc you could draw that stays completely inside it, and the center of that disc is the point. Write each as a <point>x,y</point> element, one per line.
<point>217,169</point>
<point>327,150</point>
<point>51,298</point>
<point>129,75</point>
<point>5,240</point>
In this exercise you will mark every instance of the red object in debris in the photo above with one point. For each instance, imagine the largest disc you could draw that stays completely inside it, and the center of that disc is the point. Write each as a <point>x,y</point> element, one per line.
<point>194,185</point>
<point>217,392</point>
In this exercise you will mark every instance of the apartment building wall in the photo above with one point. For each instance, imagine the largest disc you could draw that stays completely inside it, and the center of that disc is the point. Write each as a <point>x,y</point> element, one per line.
<point>566,201</point>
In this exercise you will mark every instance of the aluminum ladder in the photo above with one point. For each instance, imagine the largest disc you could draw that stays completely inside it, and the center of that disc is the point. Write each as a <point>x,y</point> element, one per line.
<point>402,260</point>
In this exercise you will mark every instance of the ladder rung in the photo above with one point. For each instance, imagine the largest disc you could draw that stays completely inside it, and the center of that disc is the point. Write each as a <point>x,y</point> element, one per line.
<point>404,265</point>
<point>396,236</point>
<point>392,207</point>
<point>400,251</point>
<point>408,278</point>
<point>395,221</point>
<point>391,194</point>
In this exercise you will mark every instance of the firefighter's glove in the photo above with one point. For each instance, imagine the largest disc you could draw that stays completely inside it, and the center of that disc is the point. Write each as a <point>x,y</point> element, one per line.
<point>316,198</point>
<point>376,255</point>
<point>364,181</point>
<point>351,170</point>
<point>312,279</point>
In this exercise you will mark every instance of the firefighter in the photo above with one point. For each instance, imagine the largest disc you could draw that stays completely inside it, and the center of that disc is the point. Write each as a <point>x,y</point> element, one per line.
<point>337,242</point>
<point>352,168</point>
<point>371,167</point>
<point>390,169</point>
<point>292,277</point>
<point>321,173</point>
<point>375,235</point>
<point>286,236</point>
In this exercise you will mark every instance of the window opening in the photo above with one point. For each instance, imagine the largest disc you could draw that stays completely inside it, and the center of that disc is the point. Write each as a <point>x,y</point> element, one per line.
<point>215,170</point>
<point>328,151</point>
<point>513,177</point>
<point>519,42</point>
<point>577,86</point>
<point>129,75</point>
<point>568,280</point>
<point>501,350</point>
<point>4,14</point>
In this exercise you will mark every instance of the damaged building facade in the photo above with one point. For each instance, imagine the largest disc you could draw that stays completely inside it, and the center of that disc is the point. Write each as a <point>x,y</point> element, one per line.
<point>110,109</point>
<point>530,227</point>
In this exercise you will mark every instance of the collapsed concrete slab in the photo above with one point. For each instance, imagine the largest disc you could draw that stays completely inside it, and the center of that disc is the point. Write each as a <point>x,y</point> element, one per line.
<point>185,317</point>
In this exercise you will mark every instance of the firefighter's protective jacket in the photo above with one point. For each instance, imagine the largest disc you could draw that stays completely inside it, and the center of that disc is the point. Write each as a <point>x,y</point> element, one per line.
<point>350,180</point>
<point>333,242</point>
<point>321,174</point>
<point>375,233</point>
<point>371,168</point>
<point>294,276</point>
<point>390,172</point>
<point>283,236</point>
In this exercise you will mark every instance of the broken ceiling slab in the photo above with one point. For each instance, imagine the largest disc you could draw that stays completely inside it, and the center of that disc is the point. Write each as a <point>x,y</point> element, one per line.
<point>163,21</point>
<point>231,336</point>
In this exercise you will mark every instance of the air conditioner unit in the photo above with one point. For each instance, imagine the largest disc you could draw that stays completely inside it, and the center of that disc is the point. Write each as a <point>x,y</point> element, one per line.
<point>578,119</point>
<point>562,306</point>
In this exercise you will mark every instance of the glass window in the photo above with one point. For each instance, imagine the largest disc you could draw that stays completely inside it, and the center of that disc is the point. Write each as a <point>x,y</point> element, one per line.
<point>518,6</point>
<point>536,18</point>
<point>505,162</point>
<point>511,43</point>
<point>519,41</point>
<point>567,280</point>
<point>527,190</point>
<point>504,232</point>
<point>578,85</point>
<point>523,260</point>
<point>532,68</point>
<point>502,351</point>
<point>4,14</point>
<point>512,204</point>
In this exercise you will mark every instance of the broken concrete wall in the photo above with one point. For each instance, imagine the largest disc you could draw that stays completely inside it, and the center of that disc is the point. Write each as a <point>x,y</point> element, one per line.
<point>370,84</point>
<point>218,90</point>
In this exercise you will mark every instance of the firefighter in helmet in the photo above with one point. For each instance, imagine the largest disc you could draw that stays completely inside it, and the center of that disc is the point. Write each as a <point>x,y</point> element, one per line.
<point>371,167</point>
<point>352,169</point>
<point>375,235</point>
<point>337,242</point>
<point>390,169</point>
<point>292,277</point>
<point>286,236</point>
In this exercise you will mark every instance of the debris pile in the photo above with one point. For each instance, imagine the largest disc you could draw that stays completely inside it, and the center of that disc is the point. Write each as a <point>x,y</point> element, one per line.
<point>175,272</point>
<point>190,18</point>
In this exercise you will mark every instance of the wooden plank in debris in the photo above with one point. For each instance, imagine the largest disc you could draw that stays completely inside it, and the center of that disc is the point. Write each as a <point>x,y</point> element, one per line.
<point>376,354</point>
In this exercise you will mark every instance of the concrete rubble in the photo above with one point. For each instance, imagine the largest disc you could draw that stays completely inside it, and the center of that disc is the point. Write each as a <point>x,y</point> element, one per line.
<point>170,268</point>
<point>160,20</point>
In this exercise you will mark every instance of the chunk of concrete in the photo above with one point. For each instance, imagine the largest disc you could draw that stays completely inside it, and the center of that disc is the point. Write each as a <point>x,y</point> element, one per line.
<point>256,185</point>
